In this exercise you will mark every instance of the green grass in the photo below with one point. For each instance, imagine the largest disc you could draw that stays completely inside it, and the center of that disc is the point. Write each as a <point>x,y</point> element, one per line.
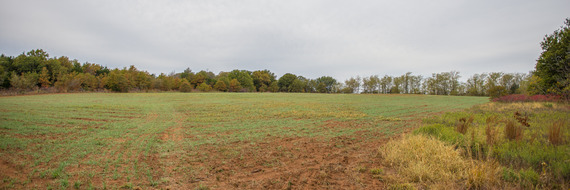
<point>109,140</point>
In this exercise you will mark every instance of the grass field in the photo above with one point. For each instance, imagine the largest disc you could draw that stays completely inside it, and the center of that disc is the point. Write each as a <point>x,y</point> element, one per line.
<point>204,140</point>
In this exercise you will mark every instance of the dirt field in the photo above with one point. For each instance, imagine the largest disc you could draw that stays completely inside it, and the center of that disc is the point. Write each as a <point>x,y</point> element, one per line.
<point>205,141</point>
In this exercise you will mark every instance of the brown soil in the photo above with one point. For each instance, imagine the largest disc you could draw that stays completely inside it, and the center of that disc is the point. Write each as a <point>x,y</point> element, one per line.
<point>277,163</point>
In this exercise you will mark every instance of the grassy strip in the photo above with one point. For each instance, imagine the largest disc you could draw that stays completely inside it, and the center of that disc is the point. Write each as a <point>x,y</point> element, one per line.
<point>528,140</point>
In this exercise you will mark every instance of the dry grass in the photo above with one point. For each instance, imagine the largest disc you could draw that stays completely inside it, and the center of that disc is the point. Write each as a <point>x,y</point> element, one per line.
<point>424,159</point>
<point>463,124</point>
<point>430,162</point>
<point>483,175</point>
<point>555,133</point>
<point>491,131</point>
<point>513,131</point>
<point>522,119</point>
<point>502,107</point>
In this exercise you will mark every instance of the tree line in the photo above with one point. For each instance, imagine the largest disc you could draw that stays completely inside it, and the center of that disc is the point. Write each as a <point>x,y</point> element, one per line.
<point>35,70</point>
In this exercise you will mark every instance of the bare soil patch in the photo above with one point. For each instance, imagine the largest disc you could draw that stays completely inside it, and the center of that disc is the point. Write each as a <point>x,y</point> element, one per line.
<point>281,163</point>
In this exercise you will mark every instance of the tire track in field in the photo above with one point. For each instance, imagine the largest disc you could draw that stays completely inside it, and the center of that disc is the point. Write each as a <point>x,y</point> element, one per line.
<point>171,159</point>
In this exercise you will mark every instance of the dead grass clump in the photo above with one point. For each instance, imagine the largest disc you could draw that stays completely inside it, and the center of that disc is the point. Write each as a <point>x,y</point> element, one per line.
<point>434,164</point>
<point>423,159</point>
<point>513,131</point>
<point>463,124</point>
<point>555,133</point>
<point>522,119</point>
<point>483,175</point>
<point>491,131</point>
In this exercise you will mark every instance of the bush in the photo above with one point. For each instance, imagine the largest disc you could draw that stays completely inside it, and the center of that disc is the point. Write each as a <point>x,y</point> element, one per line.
<point>204,87</point>
<point>185,86</point>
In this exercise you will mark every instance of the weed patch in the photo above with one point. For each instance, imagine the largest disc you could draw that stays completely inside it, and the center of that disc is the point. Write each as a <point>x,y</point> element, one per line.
<point>534,150</point>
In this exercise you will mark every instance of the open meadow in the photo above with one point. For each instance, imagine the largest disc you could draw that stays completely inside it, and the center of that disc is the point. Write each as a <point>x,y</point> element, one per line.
<point>205,140</point>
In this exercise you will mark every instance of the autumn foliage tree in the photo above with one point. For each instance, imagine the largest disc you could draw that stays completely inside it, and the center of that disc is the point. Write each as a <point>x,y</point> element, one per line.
<point>35,70</point>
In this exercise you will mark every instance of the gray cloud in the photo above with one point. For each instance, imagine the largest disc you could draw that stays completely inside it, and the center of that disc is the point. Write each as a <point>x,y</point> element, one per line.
<point>309,38</point>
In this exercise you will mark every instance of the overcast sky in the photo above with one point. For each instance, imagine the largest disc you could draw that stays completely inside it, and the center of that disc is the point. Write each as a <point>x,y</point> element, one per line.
<point>305,37</point>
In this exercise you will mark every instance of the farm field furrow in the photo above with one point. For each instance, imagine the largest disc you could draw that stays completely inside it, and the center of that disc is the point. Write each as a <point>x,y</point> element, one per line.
<point>204,140</point>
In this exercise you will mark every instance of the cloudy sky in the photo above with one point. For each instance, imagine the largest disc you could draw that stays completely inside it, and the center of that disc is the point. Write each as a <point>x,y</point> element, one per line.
<point>311,38</point>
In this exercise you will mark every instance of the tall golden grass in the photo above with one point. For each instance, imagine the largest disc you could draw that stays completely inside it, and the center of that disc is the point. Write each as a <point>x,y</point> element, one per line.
<point>430,162</point>
<point>555,133</point>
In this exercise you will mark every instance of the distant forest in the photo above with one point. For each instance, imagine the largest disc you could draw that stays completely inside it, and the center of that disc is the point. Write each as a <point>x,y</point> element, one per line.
<point>35,70</point>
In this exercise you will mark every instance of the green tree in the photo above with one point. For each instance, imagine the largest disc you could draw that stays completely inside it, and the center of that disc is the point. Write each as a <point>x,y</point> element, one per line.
<point>244,79</point>
<point>352,85</point>
<point>553,65</point>
<point>27,81</point>
<point>370,84</point>
<point>497,91</point>
<point>329,83</point>
<point>397,87</point>
<point>274,87</point>
<point>30,62</point>
<point>475,85</point>
<point>187,74</point>
<point>285,82</point>
<point>386,84</point>
<point>262,79</point>
<point>322,87</point>
<point>5,69</point>
<point>297,86</point>
<point>198,79</point>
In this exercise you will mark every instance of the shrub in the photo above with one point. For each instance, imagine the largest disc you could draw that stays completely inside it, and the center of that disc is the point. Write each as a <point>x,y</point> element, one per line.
<point>204,87</point>
<point>185,86</point>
